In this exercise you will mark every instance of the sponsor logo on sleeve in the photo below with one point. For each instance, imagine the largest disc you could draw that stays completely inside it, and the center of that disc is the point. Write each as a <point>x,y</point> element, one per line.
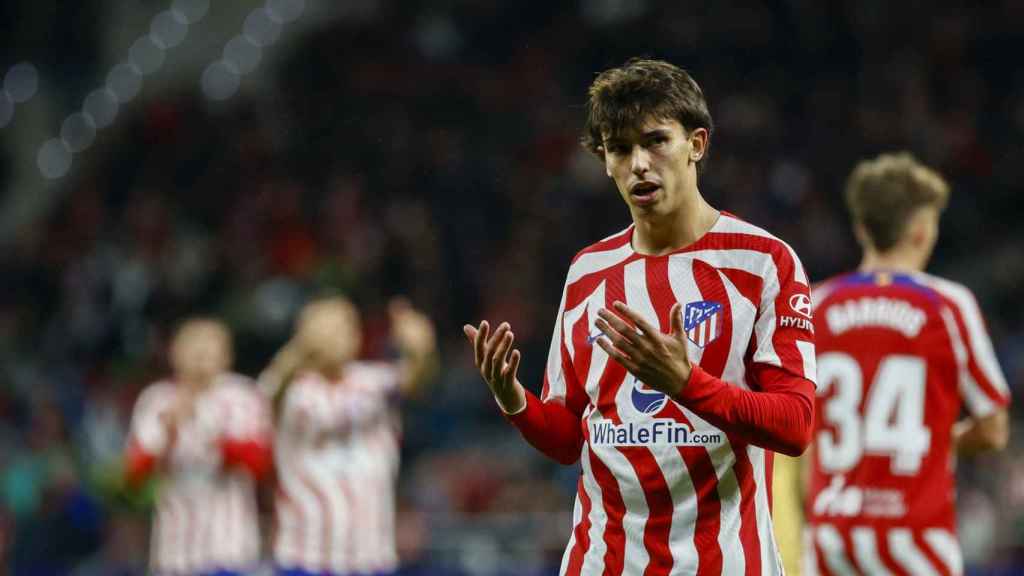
<point>799,304</point>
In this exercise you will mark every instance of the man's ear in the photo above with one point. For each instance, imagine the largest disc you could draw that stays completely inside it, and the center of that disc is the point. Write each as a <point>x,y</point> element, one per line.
<point>698,140</point>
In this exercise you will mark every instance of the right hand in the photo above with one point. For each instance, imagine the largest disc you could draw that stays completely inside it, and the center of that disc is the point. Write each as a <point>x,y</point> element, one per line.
<point>498,363</point>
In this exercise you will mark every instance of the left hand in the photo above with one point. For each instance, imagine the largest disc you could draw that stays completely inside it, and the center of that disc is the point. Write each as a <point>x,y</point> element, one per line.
<point>411,329</point>
<point>656,359</point>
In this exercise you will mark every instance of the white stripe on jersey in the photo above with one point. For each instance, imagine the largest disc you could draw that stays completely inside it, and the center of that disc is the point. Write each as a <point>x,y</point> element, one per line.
<point>739,226</point>
<point>593,561</point>
<point>906,553</point>
<point>946,547</point>
<point>865,550</point>
<point>553,373</point>
<point>766,535</point>
<point>831,545</point>
<point>598,357</point>
<point>976,400</point>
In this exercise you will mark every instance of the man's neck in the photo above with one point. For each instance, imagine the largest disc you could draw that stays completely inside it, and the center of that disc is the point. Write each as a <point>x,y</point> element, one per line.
<point>658,235</point>
<point>896,260</point>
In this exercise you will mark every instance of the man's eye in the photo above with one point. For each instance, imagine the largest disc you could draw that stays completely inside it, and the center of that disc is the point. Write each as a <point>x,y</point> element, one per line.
<point>617,149</point>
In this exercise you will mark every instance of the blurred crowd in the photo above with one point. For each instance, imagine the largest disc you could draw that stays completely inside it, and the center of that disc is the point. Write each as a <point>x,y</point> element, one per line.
<point>431,149</point>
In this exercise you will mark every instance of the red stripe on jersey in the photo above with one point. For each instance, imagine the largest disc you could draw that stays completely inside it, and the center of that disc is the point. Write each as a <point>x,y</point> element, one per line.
<point>581,532</point>
<point>882,544</point>
<point>615,508</point>
<point>698,462</point>
<point>713,361</point>
<point>930,554</point>
<point>749,285</point>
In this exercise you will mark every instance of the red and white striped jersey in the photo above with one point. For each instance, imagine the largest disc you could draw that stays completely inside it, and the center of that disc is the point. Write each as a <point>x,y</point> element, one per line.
<point>206,516</point>
<point>337,456</point>
<point>662,491</point>
<point>899,356</point>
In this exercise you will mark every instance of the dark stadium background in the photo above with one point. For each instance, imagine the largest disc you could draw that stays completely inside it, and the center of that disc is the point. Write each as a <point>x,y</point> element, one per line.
<point>429,148</point>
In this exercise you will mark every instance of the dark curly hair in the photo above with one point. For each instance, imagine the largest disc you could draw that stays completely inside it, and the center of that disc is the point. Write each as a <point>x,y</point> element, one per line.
<point>641,88</point>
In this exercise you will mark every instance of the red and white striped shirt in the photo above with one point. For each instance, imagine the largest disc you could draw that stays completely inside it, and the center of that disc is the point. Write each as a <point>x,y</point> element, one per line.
<point>206,517</point>
<point>337,456</point>
<point>663,490</point>
<point>899,355</point>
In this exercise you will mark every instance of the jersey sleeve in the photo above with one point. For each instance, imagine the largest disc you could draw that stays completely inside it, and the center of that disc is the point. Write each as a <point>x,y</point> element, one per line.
<point>560,383</point>
<point>148,432</point>
<point>783,330</point>
<point>981,382</point>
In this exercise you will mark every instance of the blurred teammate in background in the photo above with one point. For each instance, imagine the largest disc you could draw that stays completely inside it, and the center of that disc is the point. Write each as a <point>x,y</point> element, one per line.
<point>206,433</point>
<point>900,353</point>
<point>337,442</point>
<point>682,354</point>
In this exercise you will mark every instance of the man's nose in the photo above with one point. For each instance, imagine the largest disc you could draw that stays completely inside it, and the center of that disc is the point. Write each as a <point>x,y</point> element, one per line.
<point>640,161</point>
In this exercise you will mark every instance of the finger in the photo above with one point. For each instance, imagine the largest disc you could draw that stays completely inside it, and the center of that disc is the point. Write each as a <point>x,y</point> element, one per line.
<point>500,357</point>
<point>616,354</point>
<point>498,334</point>
<point>619,339</point>
<point>512,367</point>
<point>492,342</point>
<point>470,333</point>
<point>620,326</point>
<point>481,338</point>
<point>676,318</point>
<point>637,319</point>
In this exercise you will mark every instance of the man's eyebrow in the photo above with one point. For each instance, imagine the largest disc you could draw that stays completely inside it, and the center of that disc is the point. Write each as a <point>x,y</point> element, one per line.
<point>657,132</point>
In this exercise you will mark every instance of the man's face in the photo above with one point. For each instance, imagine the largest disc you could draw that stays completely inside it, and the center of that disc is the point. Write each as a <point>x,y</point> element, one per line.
<point>653,165</point>
<point>201,351</point>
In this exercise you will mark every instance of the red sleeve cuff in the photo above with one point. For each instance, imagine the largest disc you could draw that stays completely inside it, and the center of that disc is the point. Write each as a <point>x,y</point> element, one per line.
<point>254,456</point>
<point>139,464</point>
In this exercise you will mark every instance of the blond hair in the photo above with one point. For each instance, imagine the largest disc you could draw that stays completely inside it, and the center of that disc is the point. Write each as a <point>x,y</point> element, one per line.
<point>884,192</point>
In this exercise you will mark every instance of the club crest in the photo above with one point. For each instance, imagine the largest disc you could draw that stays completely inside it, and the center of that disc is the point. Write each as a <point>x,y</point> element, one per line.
<point>702,321</point>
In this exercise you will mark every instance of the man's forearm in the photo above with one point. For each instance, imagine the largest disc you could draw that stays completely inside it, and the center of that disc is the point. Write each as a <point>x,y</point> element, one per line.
<point>551,428</point>
<point>779,420</point>
<point>975,435</point>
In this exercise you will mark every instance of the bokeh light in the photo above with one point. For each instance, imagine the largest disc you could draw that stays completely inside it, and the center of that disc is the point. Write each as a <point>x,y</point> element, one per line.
<point>241,52</point>
<point>260,28</point>
<point>220,80</point>
<point>125,81</point>
<point>284,11</point>
<point>168,30</point>
<point>147,54</point>
<point>54,159</point>
<point>78,132</point>
<point>21,82</point>
<point>101,106</point>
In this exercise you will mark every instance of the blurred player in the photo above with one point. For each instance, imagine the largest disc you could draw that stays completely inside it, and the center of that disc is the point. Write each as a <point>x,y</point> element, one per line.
<point>206,433</point>
<point>336,448</point>
<point>682,354</point>
<point>900,352</point>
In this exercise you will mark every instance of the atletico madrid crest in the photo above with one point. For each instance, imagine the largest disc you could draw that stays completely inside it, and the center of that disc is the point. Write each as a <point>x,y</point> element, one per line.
<point>703,321</point>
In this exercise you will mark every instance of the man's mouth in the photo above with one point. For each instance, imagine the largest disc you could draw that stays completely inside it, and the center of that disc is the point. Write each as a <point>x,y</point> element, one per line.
<point>644,192</point>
